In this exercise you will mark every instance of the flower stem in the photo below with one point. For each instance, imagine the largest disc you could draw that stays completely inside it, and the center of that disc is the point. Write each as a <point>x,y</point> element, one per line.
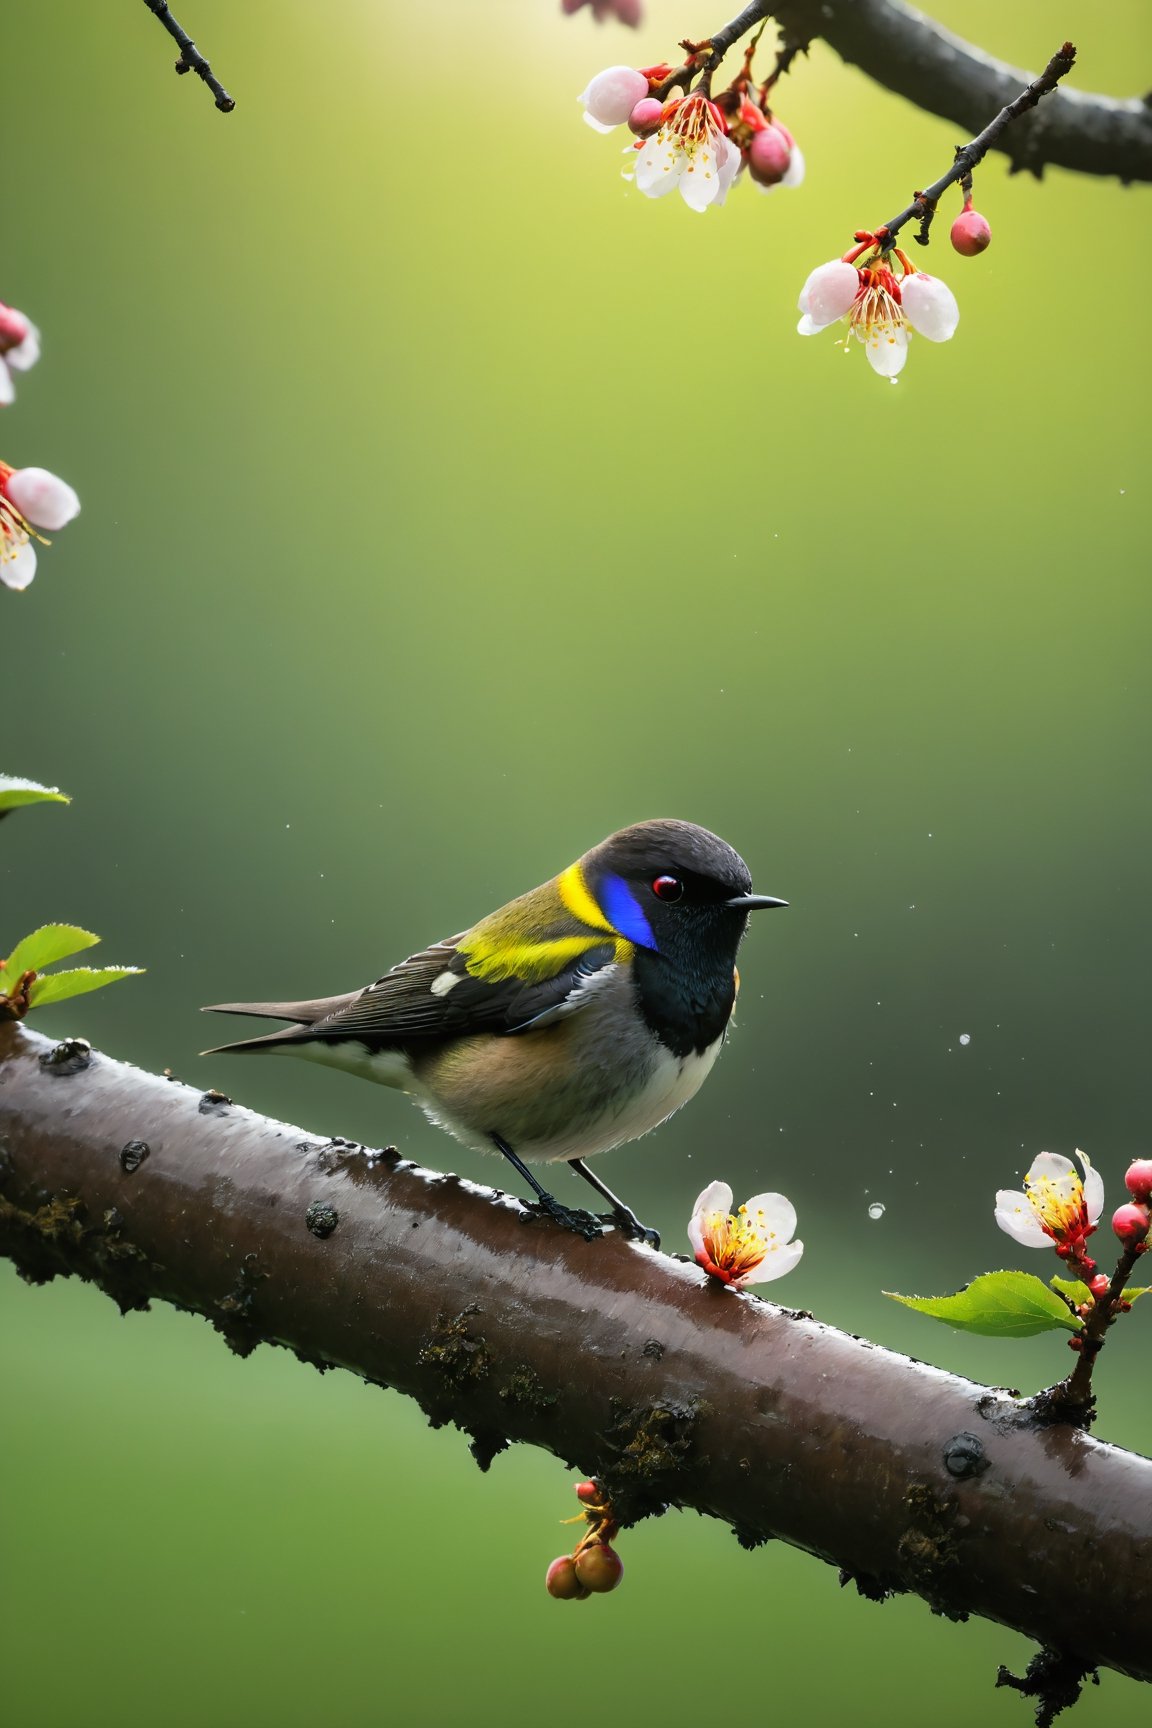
<point>191,59</point>
<point>1072,1399</point>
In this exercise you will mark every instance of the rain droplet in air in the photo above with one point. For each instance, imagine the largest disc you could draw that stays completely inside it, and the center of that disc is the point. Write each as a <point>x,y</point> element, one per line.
<point>965,1037</point>
<point>876,1210</point>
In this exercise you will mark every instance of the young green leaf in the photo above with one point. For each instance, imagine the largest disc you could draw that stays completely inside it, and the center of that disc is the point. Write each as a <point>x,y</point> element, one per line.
<point>51,942</point>
<point>1134,1295</point>
<point>998,1305</point>
<point>14,792</point>
<point>59,986</point>
<point>1076,1292</point>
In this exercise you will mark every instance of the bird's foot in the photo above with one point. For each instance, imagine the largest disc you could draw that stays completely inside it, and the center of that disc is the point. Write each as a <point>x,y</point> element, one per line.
<point>572,1218</point>
<point>629,1225</point>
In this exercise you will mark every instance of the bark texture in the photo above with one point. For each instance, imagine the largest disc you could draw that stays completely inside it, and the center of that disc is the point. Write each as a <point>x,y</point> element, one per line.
<point>629,1364</point>
<point>915,57</point>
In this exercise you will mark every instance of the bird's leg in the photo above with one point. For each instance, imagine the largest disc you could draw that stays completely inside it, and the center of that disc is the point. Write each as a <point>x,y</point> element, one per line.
<point>623,1215</point>
<point>569,1218</point>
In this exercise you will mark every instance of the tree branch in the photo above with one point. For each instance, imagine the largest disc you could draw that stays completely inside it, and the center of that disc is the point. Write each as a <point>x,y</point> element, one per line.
<point>917,58</point>
<point>655,1380</point>
<point>191,59</point>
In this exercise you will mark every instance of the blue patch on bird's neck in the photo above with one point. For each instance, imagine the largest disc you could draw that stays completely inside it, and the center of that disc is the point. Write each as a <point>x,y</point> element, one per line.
<point>624,912</point>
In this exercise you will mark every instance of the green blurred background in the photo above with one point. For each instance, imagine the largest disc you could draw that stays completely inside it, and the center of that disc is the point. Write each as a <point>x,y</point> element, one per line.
<point>446,506</point>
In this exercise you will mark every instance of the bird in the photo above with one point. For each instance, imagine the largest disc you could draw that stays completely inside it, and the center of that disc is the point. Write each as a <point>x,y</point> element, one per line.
<point>575,1018</point>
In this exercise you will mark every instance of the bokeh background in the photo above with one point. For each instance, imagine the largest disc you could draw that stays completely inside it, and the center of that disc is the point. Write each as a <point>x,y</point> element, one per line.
<point>446,506</point>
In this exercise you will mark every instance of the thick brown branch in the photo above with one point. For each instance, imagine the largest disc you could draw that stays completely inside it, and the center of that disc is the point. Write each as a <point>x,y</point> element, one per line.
<point>915,57</point>
<point>633,1365</point>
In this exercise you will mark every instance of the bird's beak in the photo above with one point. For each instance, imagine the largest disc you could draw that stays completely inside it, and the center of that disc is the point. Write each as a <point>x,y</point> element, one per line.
<point>753,902</point>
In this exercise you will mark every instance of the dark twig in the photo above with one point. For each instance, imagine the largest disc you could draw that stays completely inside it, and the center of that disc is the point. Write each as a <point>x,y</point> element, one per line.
<point>191,59</point>
<point>923,205</point>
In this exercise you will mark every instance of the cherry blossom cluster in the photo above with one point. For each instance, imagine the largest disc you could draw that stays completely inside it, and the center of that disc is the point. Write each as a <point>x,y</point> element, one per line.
<point>686,141</point>
<point>752,1245</point>
<point>32,501</point>
<point>594,1567</point>
<point>882,298</point>
<point>1060,1207</point>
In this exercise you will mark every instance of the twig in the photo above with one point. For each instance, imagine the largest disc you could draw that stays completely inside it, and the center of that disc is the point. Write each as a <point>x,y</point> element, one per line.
<point>968,156</point>
<point>191,59</point>
<point>656,1382</point>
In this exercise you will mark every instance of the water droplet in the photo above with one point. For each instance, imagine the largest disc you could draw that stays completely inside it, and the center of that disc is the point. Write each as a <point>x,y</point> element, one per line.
<point>965,1037</point>
<point>876,1210</point>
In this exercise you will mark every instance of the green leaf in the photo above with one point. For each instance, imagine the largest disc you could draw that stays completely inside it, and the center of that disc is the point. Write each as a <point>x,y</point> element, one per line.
<point>1076,1292</point>
<point>998,1305</point>
<point>1135,1295</point>
<point>15,792</point>
<point>61,985</point>
<point>51,942</point>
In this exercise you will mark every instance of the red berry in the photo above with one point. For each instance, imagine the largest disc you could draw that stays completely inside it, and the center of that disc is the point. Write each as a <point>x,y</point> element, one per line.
<point>970,233</point>
<point>599,1568</point>
<point>768,156</point>
<point>561,1581</point>
<point>1138,1181</point>
<point>1130,1223</point>
<point>587,1493</point>
<point>645,117</point>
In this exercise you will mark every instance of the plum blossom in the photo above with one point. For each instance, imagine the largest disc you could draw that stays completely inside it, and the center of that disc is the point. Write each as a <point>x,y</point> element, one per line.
<point>882,309</point>
<point>30,499</point>
<point>19,349</point>
<point>627,12</point>
<point>771,153</point>
<point>750,1246</point>
<point>1057,1206</point>
<point>691,151</point>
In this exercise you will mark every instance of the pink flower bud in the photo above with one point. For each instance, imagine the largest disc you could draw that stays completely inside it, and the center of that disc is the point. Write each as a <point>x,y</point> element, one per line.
<point>47,501</point>
<point>1131,1222</point>
<point>970,232</point>
<point>587,1493</point>
<point>599,1568</point>
<point>645,117</point>
<point>561,1581</point>
<point>1099,1285</point>
<point>1138,1181</point>
<point>769,155</point>
<point>612,95</point>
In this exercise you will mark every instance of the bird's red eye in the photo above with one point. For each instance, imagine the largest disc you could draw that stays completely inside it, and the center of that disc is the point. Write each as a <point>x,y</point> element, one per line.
<point>668,888</point>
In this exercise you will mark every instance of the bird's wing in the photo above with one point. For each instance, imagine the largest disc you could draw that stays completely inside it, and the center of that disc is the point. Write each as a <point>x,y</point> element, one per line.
<point>433,994</point>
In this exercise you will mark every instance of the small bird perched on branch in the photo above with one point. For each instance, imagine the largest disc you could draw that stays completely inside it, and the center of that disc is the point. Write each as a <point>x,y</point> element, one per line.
<point>575,1018</point>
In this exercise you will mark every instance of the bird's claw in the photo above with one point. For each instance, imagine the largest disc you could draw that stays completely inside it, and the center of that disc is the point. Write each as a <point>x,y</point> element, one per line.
<point>629,1225</point>
<point>572,1218</point>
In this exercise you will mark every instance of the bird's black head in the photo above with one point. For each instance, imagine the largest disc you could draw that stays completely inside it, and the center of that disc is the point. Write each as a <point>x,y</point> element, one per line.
<point>682,896</point>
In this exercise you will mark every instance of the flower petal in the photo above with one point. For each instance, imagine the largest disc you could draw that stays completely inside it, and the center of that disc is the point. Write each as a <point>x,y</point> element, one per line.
<point>775,1264</point>
<point>612,95</point>
<point>47,501</point>
<point>656,166</point>
<point>829,291</point>
<point>1015,1216</point>
<point>717,1197</point>
<point>18,569</point>
<point>929,306</point>
<point>25,353</point>
<point>794,173</point>
<point>774,1216</point>
<point>7,388</point>
<point>700,179</point>
<point>887,348</point>
<point>1093,1188</point>
<point>1054,1168</point>
<point>730,161</point>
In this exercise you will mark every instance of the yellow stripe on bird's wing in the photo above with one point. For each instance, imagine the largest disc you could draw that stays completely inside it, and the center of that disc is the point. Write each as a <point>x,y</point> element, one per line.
<point>493,959</point>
